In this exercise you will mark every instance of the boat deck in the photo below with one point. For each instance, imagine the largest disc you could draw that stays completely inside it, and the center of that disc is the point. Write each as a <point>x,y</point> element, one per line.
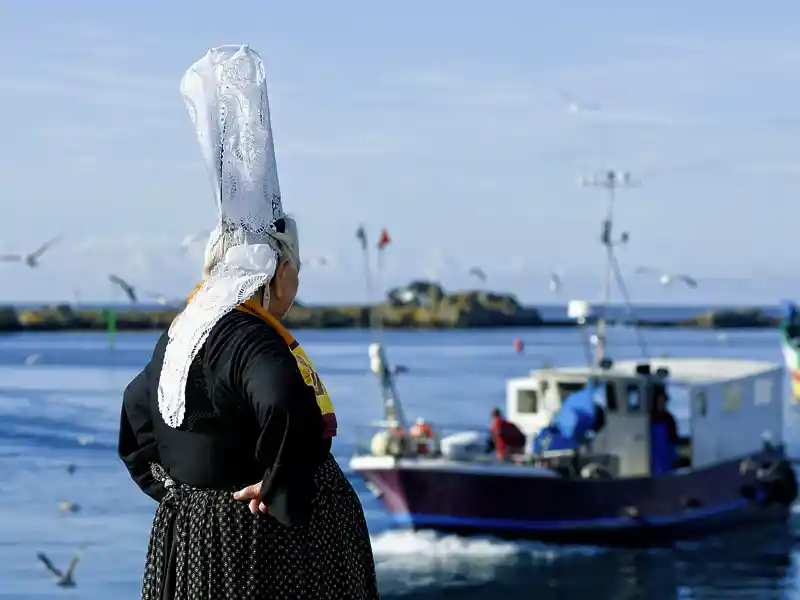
<point>476,466</point>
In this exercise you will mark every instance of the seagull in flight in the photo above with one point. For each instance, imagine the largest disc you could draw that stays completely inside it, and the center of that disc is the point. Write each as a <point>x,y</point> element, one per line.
<point>555,283</point>
<point>192,239</point>
<point>478,273</point>
<point>668,278</point>
<point>32,259</point>
<point>574,106</point>
<point>65,579</point>
<point>318,261</point>
<point>163,299</point>
<point>126,287</point>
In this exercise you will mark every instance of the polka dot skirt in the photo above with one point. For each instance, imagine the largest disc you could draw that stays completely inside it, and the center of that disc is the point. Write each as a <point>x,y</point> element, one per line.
<point>205,545</point>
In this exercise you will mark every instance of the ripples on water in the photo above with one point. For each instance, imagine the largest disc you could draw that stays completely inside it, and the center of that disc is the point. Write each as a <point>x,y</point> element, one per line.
<point>63,407</point>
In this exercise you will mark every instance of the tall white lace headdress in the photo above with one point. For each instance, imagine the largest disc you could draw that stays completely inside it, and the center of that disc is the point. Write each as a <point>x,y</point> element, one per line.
<point>226,94</point>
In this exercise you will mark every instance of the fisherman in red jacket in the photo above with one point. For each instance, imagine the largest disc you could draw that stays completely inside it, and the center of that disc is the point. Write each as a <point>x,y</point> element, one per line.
<point>507,437</point>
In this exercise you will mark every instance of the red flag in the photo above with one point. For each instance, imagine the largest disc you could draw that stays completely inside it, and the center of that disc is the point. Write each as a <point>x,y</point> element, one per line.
<point>385,240</point>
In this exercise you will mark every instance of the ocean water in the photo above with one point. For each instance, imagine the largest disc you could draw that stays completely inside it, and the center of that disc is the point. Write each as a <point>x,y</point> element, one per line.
<point>59,404</point>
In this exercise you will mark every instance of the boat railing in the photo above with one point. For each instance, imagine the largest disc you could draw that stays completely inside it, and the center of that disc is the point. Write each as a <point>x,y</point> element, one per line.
<point>403,444</point>
<point>398,443</point>
<point>366,433</point>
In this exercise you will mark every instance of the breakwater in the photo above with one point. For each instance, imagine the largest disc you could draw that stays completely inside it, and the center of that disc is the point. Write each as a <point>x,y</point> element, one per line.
<point>420,305</point>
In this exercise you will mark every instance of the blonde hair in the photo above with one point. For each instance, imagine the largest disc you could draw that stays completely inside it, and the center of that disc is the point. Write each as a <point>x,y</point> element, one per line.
<point>287,242</point>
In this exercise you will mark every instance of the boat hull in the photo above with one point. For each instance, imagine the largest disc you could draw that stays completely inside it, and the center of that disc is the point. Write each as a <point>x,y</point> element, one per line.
<point>507,501</point>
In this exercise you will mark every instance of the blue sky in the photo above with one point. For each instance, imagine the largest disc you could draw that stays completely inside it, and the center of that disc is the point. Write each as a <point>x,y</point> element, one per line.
<point>441,121</point>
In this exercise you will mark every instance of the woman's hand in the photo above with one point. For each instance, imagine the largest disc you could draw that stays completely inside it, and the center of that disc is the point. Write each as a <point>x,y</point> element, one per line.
<point>253,494</point>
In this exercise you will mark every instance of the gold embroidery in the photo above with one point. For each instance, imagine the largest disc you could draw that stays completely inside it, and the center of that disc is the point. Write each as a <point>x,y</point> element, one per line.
<point>310,375</point>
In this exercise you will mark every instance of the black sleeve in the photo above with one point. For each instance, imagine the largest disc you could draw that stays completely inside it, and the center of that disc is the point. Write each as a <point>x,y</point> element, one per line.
<point>290,445</point>
<point>137,444</point>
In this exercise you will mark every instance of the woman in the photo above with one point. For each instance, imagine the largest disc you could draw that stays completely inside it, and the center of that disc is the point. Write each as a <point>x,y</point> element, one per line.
<point>229,398</point>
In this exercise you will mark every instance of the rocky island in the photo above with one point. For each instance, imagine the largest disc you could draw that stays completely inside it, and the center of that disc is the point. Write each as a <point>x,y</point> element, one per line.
<point>419,305</point>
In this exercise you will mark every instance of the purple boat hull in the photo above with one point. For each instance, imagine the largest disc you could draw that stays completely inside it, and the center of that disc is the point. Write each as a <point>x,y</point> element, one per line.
<point>517,502</point>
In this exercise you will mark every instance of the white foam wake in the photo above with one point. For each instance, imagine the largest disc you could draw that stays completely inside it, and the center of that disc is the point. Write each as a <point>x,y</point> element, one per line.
<point>404,549</point>
<point>409,559</point>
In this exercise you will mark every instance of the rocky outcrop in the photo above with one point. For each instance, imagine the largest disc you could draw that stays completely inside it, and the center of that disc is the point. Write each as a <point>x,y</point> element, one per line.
<point>9,320</point>
<point>426,304</point>
<point>731,319</point>
<point>419,305</point>
<point>327,317</point>
<point>65,317</point>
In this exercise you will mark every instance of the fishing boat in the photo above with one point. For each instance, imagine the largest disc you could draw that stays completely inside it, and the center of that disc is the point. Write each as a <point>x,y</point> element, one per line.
<point>790,345</point>
<point>731,470</point>
<point>588,473</point>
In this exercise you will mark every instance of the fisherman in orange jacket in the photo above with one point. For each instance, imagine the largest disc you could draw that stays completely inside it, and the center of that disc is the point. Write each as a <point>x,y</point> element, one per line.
<point>422,434</point>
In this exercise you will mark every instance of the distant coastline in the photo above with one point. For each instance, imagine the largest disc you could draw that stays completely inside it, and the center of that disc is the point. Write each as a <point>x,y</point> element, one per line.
<point>420,305</point>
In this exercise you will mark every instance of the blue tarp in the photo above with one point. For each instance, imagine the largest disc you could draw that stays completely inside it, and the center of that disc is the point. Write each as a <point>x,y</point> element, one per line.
<point>662,451</point>
<point>788,311</point>
<point>572,423</point>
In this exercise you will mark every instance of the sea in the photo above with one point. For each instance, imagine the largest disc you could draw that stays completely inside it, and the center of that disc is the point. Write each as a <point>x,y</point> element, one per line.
<point>60,397</point>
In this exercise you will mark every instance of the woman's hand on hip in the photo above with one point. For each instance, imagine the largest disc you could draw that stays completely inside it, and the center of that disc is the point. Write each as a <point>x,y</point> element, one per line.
<point>252,493</point>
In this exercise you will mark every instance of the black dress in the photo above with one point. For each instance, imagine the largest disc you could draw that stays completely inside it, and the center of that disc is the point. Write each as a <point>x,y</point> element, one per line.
<point>249,417</point>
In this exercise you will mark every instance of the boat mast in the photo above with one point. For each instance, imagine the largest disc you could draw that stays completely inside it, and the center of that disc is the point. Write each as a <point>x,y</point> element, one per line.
<point>361,236</point>
<point>379,363</point>
<point>611,181</point>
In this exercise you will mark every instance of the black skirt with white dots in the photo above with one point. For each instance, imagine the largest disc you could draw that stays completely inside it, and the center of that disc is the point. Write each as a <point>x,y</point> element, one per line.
<point>206,545</point>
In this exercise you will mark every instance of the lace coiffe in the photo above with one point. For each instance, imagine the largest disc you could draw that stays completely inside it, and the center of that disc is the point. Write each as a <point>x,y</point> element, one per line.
<point>226,94</point>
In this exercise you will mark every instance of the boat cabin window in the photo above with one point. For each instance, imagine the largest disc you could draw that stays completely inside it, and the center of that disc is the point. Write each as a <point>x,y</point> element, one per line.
<point>763,392</point>
<point>700,403</point>
<point>732,397</point>
<point>612,403</point>
<point>527,401</point>
<point>566,389</point>
<point>634,397</point>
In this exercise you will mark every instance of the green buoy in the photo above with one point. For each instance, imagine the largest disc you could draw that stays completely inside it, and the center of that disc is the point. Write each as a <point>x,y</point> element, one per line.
<point>111,325</point>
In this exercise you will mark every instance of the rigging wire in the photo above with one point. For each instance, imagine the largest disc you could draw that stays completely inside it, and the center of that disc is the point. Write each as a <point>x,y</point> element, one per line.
<point>617,272</point>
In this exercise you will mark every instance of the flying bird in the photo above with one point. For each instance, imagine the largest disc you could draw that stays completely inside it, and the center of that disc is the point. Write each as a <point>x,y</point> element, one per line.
<point>574,106</point>
<point>478,273</point>
<point>318,261</point>
<point>192,239</point>
<point>32,259</point>
<point>157,298</point>
<point>69,506</point>
<point>555,283</point>
<point>163,299</point>
<point>65,579</point>
<point>668,278</point>
<point>439,263</point>
<point>126,287</point>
